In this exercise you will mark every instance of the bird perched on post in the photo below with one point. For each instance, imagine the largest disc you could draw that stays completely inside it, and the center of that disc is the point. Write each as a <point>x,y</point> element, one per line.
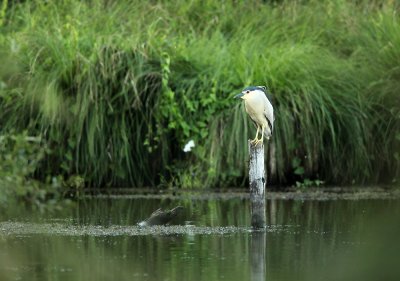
<point>259,107</point>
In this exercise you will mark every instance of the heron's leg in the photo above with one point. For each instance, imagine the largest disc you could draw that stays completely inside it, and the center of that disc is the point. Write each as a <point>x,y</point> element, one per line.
<point>262,134</point>
<point>255,141</point>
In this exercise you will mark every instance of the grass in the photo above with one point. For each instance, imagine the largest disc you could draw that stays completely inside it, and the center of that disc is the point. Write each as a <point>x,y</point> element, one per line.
<point>116,90</point>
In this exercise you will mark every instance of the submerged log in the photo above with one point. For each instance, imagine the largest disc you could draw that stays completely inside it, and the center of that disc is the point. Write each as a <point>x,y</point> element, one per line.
<point>160,217</point>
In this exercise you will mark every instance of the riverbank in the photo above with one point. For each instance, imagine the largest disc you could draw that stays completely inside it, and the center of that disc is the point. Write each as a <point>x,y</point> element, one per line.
<point>320,194</point>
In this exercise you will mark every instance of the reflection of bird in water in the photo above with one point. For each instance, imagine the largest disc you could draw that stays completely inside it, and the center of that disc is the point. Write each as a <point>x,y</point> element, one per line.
<point>160,217</point>
<point>259,107</point>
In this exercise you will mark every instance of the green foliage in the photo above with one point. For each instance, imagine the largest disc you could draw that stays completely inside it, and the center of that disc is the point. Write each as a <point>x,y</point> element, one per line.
<point>3,10</point>
<point>117,88</point>
<point>20,156</point>
<point>299,171</point>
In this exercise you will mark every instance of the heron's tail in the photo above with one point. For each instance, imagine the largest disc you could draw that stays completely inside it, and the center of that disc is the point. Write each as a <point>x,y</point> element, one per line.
<point>267,133</point>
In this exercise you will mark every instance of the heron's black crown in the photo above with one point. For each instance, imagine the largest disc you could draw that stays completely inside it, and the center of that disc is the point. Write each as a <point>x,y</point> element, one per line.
<point>262,88</point>
<point>253,88</point>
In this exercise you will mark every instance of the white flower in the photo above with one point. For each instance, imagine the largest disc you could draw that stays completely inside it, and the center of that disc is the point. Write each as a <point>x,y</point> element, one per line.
<point>188,147</point>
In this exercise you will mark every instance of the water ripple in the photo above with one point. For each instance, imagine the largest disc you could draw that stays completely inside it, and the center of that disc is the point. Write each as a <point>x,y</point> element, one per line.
<point>26,228</point>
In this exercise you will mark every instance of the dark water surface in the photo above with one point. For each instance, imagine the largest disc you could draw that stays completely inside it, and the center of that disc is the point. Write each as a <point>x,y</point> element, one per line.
<point>97,239</point>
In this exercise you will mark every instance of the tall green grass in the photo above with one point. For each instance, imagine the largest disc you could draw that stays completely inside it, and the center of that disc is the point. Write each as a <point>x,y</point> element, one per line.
<point>118,89</point>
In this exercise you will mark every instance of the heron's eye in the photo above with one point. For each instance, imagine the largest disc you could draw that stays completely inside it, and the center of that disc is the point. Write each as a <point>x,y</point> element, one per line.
<point>247,92</point>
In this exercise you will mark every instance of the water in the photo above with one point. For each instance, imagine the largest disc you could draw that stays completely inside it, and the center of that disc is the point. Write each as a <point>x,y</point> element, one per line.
<point>305,240</point>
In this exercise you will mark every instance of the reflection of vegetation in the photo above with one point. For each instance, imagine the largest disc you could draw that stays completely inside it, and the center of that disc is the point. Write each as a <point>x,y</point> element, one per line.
<point>307,240</point>
<point>116,89</point>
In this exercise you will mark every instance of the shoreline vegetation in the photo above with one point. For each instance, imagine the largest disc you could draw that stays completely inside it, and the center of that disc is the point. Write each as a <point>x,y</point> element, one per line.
<point>107,93</point>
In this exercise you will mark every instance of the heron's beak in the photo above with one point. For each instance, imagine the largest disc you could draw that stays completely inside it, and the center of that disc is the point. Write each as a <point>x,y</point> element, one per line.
<point>239,96</point>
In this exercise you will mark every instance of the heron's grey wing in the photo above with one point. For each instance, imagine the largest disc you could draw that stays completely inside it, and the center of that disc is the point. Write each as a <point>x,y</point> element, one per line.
<point>269,113</point>
<point>270,124</point>
<point>269,97</point>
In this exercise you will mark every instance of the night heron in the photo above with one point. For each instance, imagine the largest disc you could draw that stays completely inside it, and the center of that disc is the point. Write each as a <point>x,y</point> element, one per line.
<point>259,107</point>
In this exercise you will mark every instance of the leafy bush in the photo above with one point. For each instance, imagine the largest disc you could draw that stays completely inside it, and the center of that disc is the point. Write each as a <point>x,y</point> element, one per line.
<point>117,88</point>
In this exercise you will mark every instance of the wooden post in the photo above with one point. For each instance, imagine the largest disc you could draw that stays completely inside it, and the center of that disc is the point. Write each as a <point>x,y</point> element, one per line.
<point>257,179</point>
